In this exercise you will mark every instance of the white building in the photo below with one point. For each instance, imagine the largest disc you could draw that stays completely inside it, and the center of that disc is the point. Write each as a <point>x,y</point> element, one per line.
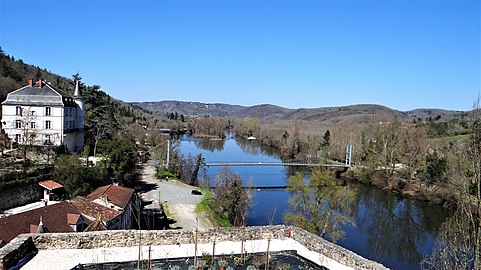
<point>40,114</point>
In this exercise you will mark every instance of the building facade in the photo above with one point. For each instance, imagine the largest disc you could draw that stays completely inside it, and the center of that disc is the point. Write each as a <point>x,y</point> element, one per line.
<point>40,114</point>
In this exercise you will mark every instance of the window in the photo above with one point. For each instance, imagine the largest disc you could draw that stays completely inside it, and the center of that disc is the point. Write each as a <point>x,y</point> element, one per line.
<point>32,125</point>
<point>18,110</point>
<point>18,124</point>
<point>32,113</point>
<point>48,111</point>
<point>47,139</point>
<point>18,137</point>
<point>48,124</point>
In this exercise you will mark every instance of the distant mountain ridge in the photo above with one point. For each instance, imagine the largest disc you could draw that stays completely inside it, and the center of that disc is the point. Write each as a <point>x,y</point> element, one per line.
<point>358,113</point>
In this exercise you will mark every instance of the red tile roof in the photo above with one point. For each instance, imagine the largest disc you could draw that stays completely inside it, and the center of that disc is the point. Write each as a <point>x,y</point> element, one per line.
<point>118,196</point>
<point>91,210</point>
<point>72,219</point>
<point>54,217</point>
<point>50,184</point>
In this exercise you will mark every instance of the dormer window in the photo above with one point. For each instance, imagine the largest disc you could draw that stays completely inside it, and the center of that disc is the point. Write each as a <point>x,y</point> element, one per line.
<point>48,111</point>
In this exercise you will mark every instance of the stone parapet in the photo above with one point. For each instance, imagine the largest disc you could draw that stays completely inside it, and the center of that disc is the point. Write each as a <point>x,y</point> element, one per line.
<point>16,250</point>
<point>129,238</point>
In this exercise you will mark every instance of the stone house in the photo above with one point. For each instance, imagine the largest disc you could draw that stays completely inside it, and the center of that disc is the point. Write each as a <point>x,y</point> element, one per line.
<point>40,114</point>
<point>118,198</point>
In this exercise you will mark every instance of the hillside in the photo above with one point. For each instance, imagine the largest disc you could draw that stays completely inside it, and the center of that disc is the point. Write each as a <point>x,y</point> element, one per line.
<point>426,113</point>
<point>353,113</point>
<point>191,108</point>
<point>103,110</point>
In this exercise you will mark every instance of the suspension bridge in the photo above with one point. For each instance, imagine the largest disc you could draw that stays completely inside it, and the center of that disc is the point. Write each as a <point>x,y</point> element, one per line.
<point>305,163</point>
<point>261,163</point>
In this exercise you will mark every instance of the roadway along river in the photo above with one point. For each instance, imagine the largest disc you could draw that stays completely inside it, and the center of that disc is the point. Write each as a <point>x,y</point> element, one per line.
<point>394,231</point>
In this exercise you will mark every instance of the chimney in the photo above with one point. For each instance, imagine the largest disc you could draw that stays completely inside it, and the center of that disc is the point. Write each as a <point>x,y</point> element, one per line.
<point>30,82</point>
<point>40,83</point>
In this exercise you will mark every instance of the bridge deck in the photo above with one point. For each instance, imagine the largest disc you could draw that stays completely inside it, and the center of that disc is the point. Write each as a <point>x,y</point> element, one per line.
<point>213,164</point>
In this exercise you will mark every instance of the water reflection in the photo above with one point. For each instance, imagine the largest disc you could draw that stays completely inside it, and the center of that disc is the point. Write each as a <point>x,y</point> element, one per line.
<point>210,145</point>
<point>254,147</point>
<point>396,229</point>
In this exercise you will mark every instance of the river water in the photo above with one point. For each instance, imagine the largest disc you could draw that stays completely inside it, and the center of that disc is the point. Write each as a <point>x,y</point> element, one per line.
<point>394,231</point>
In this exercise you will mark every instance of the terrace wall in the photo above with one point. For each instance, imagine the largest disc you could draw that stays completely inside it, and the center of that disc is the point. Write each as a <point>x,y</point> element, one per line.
<point>128,238</point>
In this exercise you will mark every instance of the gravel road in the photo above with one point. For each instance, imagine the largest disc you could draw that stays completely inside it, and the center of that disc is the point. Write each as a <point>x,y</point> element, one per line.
<point>177,196</point>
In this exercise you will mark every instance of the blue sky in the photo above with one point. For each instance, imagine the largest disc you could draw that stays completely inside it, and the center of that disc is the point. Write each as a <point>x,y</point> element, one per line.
<point>296,54</point>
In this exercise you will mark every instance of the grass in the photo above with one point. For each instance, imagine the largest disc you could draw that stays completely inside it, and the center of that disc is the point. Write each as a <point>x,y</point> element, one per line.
<point>451,139</point>
<point>164,175</point>
<point>166,210</point>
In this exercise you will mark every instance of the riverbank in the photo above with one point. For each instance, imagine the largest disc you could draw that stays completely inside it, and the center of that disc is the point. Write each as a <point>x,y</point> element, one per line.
<point>207,136</point>
<point>413,189</point>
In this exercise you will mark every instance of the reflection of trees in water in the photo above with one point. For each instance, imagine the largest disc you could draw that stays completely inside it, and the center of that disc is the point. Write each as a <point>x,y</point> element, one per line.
<point>210,145</point>
<point>318,204</point>
<point>393,225</point>
<point>254,147</point>
<point>292,170</point>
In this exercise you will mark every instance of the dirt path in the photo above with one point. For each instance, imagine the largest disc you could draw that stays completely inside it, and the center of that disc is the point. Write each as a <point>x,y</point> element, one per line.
<point>181,204</point>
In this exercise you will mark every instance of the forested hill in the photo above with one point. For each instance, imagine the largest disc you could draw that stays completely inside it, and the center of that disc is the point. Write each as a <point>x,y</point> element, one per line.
<point>14,73</point>
<point>360,113</point>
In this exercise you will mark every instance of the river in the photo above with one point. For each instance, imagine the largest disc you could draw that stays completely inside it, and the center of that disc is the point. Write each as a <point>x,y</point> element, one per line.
<point>394,231</point>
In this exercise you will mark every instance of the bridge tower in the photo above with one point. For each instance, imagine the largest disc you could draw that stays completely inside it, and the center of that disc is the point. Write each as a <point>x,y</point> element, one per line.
<point>348,155</point>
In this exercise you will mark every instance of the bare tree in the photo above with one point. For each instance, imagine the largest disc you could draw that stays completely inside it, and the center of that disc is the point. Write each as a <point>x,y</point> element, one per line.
<point>27,123</point>
<point>415,144</point>
<point>386,147</point>
<point>459,241</point>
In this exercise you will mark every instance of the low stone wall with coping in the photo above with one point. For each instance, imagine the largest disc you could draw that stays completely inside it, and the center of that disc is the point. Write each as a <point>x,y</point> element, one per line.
<point>16,250</point>
<point>129,238</point>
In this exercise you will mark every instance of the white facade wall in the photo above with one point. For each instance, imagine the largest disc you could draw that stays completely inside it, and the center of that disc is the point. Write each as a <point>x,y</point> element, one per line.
<point>38,126</point>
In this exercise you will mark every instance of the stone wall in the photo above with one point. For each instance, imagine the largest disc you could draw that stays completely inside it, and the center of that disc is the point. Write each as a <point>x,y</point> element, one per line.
<point>20,194</point>
<point>16,250</point>
<point>128,238</point>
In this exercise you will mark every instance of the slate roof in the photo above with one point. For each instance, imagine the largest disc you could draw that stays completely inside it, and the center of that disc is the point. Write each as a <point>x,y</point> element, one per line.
<point>50,184</point>
<point>91,210</point>
<point>118,196</point>
<point>47,95</point>
<point>54,217</point>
